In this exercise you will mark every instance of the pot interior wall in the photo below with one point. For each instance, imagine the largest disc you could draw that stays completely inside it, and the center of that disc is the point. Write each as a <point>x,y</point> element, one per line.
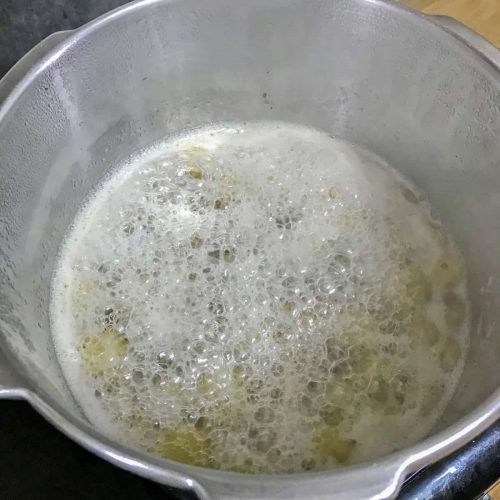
<point>373,74</point>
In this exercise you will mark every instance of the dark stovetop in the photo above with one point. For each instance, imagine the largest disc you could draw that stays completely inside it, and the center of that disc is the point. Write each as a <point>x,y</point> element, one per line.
<point>37,461</point>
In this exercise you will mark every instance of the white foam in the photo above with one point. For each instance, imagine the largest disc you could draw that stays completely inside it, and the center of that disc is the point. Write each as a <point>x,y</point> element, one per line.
<point>261,278</point>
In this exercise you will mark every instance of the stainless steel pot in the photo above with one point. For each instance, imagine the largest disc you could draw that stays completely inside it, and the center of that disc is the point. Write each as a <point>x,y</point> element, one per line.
<point>423,93</point>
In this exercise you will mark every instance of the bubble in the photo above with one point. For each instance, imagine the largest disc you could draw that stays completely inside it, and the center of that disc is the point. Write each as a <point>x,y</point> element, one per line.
<point>276,393</point>
<point>195,171</point>
<point>229,255</point>
<point>196,242</point>
<point>138,376</point>
<point>222,202</point>
<point>165,360</point>
<point>202,423</point>
<point>308,464</point>
<point>264,415</point>
<point>288,308</point>
<point>273,455</point>
<point>265,441</point>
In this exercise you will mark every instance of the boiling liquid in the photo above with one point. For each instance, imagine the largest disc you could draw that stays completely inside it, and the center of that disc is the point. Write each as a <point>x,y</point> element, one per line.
<point>260,298</point>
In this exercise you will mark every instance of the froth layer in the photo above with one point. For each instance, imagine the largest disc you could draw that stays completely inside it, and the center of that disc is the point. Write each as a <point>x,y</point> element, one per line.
<point>260,298</point>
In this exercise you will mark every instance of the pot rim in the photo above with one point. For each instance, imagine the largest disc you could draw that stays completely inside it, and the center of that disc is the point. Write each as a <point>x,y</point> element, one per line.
<point>394,467</point>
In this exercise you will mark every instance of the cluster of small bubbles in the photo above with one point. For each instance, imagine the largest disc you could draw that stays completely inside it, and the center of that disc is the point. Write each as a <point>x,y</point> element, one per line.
<point>236,306</point>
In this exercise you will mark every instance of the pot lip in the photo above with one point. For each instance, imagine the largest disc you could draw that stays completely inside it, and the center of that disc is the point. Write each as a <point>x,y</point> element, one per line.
<point>395,466</point>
